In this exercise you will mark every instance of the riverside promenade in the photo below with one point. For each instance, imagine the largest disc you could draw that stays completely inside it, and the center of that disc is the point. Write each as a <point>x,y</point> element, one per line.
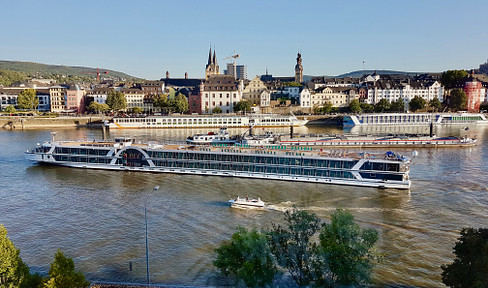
<point>39,122</point>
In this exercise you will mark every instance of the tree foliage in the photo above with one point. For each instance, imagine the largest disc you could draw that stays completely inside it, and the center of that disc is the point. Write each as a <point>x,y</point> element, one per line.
<point>435,104</point>
<point>292,84</point>
<point>7,77</point>
<point>247,256</point>
<point>453,78</point>
<point>116,100</point>
<point>242,105</point>
<point>417,103</point>
<point>367,108</point>
<point>216,110</point>
<point>348,249</point>
<point>470,267</point>
<point>27,99</point>
<point>10,109</point>
<point>136,110</point>
<point>62,273</point>
<point>382,106</point>
<point>293,247</point>
<point>325,109</point>
<point>180,104</point>
<point>355,106</point>
<point>14,271</point>
<point>96,107</point>
<point>397,106</point>
<point>458,99</point>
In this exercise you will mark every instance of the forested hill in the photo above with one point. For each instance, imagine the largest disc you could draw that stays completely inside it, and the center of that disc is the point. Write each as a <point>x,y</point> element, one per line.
<point>37,70</point>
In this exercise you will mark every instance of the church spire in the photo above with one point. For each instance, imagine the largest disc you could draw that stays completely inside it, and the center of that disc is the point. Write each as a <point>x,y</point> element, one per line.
<point>214,61</point>
<point>210,56</point>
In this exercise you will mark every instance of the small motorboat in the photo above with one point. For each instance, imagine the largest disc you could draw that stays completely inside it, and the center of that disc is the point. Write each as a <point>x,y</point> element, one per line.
<point>246,202</point>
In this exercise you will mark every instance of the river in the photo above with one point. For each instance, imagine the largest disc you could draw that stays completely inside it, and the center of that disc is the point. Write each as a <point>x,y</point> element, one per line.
<point>97,217</point>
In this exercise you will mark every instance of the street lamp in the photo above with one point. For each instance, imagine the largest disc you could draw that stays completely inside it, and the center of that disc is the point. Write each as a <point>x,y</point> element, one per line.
<point>147,247</point>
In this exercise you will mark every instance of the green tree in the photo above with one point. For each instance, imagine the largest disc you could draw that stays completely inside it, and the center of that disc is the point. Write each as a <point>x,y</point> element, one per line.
<point>293,248</point>
<point>397,106</point>
<point>242,105</point>
<point>348,249</point>
<point>417,103</point>
<point>180,104</point>
<point>355,106</point>
<point>367,108</point>
<point>435,104</point>
<point>62,274</point>
<point>216,110</point>
<point>116,100</point>
<point>10,109</point>
<point>382,106</point>
<point>458,99</point>
<point>7,77</point>
<point>96,107</point>
<point>470,267</point>
<point>14,271</point>
<point>454,78</point>
<point>161,101</point>
<point>247,257</point>
<point>137,110</point>
<point>27,99</point>
<point>292,84</point>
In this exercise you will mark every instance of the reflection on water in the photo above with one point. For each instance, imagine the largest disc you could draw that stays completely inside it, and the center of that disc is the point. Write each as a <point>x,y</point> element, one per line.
<point>97,217</point>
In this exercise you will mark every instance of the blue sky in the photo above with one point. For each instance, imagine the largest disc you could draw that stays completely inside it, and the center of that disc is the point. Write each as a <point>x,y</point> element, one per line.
<point>146,38</point>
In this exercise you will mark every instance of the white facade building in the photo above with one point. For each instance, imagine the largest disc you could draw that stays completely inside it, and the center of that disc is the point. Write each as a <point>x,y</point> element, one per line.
<point>220,91</point>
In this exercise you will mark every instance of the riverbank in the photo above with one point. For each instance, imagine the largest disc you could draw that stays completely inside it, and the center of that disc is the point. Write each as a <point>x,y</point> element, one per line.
<point>33,122</point>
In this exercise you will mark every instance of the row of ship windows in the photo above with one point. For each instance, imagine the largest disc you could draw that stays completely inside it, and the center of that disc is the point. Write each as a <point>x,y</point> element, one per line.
<point>239,158</point>
<point>181,121</point>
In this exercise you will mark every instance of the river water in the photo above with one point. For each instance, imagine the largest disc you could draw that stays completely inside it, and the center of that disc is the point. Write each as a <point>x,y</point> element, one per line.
<point>97,217</point>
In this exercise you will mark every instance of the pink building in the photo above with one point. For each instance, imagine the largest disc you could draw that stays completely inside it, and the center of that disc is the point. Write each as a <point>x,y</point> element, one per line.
<point>75,99</point>
<point>474,95</point>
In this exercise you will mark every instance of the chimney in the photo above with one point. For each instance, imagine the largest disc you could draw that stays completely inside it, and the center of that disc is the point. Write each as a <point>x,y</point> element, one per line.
<point>167,74</point>
<point>186,75</point>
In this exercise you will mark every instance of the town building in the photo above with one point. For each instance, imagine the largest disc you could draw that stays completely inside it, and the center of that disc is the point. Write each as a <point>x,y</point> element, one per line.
<point>99,95</point>
<point>135,98</point>
<point>253,90</point>
<point>75,99</point>
<point>57,98</point>
<point>241,71</point>
<point>218,91</point>
<point>212,68</point>
<point>474,95</point>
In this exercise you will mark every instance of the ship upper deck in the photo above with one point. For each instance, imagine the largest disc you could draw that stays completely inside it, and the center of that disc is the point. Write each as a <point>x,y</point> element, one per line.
<point>265,150</point>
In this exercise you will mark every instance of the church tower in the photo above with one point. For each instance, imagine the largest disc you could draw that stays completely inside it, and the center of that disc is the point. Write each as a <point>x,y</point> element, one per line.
<point>211,68</point>
<point>299,69</point>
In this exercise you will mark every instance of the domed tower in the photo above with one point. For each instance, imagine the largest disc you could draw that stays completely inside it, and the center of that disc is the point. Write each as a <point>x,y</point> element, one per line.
<point>299,69</point>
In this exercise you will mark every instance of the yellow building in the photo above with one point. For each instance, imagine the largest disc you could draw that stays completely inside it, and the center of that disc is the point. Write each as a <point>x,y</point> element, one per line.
<point>252,92</point>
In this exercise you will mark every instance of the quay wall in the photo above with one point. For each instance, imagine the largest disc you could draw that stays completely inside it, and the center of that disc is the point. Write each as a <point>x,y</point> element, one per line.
<point>32,122</point>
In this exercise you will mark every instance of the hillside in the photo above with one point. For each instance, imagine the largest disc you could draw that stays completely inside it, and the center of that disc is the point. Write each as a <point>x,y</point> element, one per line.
<point>360,73</point>
<point>35,70</point>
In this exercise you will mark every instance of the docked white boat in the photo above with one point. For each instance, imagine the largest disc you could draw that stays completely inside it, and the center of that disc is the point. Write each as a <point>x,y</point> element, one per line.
<point>203,121</point>
<point>246,202</point>
<point>400,119</point>
<point>222,137</point>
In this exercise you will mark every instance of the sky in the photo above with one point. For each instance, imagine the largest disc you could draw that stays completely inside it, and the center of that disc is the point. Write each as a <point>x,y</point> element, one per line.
<point>147,38</point>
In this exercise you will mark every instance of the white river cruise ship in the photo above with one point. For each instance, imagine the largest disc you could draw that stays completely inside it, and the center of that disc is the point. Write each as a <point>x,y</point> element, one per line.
<point>273,162</point>
<point>196,121</point>
<point>394,119</point>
